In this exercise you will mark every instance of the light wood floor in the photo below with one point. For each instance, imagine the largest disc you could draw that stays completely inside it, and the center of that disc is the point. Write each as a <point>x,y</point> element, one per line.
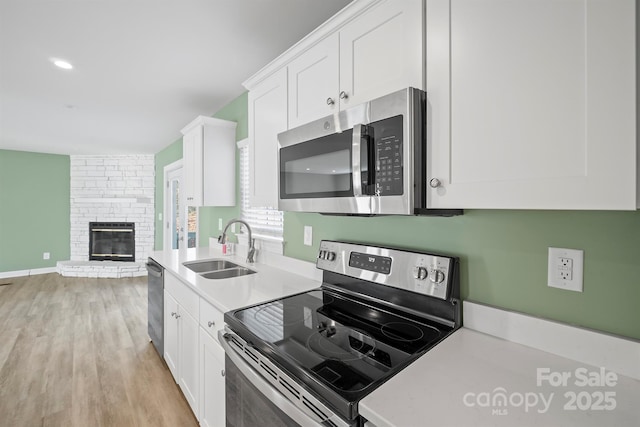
<point>75,352</point>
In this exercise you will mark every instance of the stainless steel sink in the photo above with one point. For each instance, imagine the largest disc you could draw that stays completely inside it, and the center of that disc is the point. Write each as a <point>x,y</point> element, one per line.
<point>210,265</point>
<point>228,273</point>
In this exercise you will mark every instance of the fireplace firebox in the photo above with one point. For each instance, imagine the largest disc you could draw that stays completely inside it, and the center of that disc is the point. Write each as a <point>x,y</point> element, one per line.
<point>112,241</point>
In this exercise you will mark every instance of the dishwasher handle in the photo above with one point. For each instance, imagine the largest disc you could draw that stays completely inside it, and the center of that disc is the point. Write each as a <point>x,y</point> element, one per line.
<point>154,269</point>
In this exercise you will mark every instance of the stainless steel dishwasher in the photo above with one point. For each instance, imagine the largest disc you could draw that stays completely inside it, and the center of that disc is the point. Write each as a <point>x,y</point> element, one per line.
<point>155,274</point>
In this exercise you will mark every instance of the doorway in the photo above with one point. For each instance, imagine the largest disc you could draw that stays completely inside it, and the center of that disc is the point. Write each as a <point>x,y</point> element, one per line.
<point>178,217</point>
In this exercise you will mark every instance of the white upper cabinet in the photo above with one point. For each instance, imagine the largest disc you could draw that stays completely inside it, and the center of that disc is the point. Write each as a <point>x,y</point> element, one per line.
<point>209,159</point>
<point>382,51</point>
<point>313,82</point>
<point>377,51</point>
<point>267,118</point>
<point>532,104</point>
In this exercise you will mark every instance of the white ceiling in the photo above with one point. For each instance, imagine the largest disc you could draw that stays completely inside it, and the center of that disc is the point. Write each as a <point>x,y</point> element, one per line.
<point>143,69</point>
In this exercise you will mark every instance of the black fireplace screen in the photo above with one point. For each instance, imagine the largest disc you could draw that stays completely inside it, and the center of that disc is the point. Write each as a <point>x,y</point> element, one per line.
<point>112,241</point>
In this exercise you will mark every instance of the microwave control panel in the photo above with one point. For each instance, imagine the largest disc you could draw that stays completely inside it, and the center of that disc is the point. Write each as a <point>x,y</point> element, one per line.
<point>387,136</point>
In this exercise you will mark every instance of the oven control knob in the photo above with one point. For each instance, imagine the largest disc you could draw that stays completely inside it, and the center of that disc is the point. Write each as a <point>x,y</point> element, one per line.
<point>420,273</point>
<point>322,254</point>
<point>331,256</point>
<point>436,276</point>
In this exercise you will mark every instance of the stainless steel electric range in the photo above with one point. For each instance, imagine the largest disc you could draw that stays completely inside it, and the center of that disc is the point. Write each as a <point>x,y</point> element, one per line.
<point>308,359</point>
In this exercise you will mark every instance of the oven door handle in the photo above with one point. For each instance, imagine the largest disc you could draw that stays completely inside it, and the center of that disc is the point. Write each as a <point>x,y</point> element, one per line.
<point>274,396</point>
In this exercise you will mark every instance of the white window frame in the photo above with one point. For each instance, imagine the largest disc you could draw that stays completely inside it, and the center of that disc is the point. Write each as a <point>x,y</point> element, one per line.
<point>268,233</point>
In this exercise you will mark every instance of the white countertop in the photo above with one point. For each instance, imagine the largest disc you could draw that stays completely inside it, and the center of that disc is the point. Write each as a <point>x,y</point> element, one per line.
<point>461,380</point>
<point>227,294</point>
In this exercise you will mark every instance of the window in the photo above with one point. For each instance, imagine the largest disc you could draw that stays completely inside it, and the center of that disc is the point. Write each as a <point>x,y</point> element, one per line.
<point>266,222</point>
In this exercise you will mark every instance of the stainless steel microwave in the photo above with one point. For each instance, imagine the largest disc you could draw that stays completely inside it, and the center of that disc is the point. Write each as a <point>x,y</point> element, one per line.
<point>369,159</point>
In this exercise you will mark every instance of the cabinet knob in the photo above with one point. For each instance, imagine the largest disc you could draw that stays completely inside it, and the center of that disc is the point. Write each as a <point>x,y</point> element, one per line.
<point>173,314</point>
<point>222,372</point>
<point>211,323</point>
<point>330,101</point>
<point>435,183</point>
<point>343,95</point>
<point>177,316</point>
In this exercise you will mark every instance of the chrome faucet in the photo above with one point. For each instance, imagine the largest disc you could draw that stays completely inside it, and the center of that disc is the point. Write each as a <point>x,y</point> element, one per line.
<point>252,244</point>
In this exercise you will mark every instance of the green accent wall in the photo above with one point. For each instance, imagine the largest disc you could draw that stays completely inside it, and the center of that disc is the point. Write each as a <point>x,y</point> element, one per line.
<point>34,209</point>
<point>503,257</point>
<point>503,253</point>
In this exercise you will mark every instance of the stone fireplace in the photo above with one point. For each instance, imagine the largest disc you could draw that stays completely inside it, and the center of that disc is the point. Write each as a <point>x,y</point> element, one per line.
<point>110,190</point>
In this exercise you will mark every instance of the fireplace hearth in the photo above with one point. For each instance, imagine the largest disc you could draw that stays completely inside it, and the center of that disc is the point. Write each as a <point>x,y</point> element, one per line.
<point>112,241</point>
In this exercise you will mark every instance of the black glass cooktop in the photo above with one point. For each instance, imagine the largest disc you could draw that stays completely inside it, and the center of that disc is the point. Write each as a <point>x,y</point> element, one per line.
<point>345,344</point>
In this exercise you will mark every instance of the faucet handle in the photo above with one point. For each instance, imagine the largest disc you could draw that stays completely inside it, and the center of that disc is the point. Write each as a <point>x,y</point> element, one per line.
<point>222,239</point>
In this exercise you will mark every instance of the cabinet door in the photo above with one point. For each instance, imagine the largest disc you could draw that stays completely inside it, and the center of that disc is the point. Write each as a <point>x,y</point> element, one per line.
<point>171,334</point>
<point>188,359</point>
<point>382,51</point>
<point>212,397</point>
<point>313,82</point>
<point>267,118</point>
<point>531,104</point>
<point>192,152</point>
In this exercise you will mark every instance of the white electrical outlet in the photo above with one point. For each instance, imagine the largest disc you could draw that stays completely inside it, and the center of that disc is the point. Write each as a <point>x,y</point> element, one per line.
<point>220,224</point>
<point>308,235</point>
<point>565,269</point>
<point>46,255</point>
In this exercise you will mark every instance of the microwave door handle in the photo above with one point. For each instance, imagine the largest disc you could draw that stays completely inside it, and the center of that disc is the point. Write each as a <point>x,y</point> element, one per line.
<point>356,166</point>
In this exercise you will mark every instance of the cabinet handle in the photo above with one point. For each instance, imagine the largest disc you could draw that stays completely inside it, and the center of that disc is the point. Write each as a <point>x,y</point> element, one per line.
<point>343,95</point>
<point>435,183</point>
<point>330,101</point>
<point>222,372</point>
<point>211,323</point>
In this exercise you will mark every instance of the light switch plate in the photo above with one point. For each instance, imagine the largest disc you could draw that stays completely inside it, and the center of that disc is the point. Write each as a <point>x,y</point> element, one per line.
<point>308,235</point>
<point>565,269</point>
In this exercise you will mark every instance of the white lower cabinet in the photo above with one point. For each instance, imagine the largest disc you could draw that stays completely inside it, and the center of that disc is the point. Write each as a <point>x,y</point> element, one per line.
<point>188,358</point>
<point>171,334</point>
<point>192,352</point>
<point>181,338</point>
<point>212,397</point>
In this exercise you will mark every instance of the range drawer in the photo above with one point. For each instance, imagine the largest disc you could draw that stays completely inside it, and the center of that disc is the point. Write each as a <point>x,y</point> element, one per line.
<point>211,319</point>
<point>188,299</point>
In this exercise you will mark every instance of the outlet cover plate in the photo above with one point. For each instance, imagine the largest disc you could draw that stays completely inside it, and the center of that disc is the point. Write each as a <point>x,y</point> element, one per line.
<point>565,269</point>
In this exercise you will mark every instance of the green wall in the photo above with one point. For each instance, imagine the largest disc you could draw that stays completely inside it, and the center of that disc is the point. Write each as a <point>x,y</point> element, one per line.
<point>34,209</point>
<point>504,257</point>
<point>503,253</point>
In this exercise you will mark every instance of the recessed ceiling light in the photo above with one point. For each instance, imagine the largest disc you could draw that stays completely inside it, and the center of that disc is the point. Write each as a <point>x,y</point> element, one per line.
<point>61,63</point>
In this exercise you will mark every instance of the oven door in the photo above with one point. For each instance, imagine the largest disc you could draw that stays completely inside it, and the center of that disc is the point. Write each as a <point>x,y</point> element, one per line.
<point>259,393</point>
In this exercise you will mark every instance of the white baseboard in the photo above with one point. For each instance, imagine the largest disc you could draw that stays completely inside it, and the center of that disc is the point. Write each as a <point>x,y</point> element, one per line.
<point>619,354</point>
<point>23,273</point>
